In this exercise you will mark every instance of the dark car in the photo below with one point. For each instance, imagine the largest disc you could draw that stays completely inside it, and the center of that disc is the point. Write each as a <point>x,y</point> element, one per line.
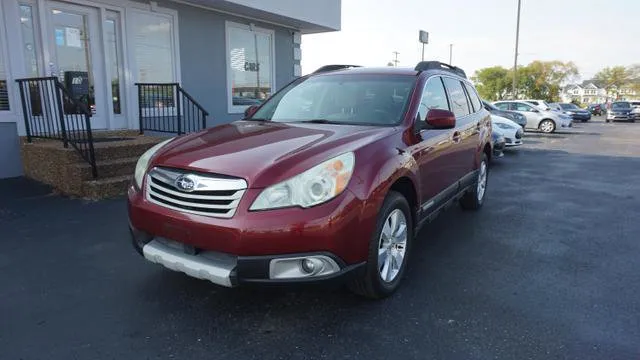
<point>573,110</point>
<point>328,180</point>
<point>596,109</point>
<point>499,143</point>
<point>620,111</point>
<point>511,115</point>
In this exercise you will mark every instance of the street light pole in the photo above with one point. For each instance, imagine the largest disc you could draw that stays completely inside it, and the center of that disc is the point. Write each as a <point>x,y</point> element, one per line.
<point>450,54</point>
<point>515,60</point>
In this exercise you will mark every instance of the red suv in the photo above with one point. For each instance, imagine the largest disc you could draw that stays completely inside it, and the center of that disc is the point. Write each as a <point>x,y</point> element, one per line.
<point>330,178</point>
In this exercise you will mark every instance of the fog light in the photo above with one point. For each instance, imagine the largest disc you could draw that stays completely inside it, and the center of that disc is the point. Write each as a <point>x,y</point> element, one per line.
<point>300,267</point>
<point>308,266</point>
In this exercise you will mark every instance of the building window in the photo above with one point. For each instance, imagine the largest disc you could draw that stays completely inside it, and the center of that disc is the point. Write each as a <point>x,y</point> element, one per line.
<point>4,92</point>
<point>250,66</point>
<point>30,47</point>
<point>153,46</point>
<point>114,59</point>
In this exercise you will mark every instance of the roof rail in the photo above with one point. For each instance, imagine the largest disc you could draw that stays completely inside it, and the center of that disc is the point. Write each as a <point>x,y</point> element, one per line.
<point>437,65</point>
<point>334,67</point>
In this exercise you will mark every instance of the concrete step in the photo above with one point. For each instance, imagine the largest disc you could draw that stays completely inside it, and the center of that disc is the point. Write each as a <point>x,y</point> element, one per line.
<point>106,168</point>
<point>106,188</point>
<point>123,150</point>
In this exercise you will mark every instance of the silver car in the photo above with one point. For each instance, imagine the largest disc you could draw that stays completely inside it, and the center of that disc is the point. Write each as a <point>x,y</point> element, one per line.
<point>544,120</point>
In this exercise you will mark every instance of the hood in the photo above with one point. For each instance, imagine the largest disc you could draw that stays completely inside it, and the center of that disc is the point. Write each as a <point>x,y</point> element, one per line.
<point>264,153</point>
<point>502,120</point>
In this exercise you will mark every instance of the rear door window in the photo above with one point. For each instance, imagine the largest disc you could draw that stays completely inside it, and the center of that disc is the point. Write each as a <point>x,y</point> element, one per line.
<point>457,96</point>
<point>523,107</point>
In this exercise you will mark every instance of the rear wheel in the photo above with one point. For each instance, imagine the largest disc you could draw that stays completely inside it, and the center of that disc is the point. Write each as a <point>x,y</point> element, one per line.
<point>388,249</point>
<point>474,198</point>
<point>547,126</point>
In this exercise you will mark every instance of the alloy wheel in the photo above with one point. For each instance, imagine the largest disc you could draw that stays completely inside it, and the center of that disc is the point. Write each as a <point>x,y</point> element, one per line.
<point>547,126</point>
<point>392,245</point>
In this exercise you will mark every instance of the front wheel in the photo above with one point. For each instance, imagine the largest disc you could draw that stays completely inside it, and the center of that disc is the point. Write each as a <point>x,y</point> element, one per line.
<point>388,249</point>
<point>474,198</point>
<point>547,126</point>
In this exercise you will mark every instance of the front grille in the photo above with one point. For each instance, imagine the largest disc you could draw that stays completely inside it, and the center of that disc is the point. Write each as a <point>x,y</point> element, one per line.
<point>214,196</point>
<point>508,140</point>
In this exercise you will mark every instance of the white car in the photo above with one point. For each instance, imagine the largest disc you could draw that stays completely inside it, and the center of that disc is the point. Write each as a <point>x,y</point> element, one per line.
<point>543,120</point>
<point>511,131</point>
<point>540,104</point>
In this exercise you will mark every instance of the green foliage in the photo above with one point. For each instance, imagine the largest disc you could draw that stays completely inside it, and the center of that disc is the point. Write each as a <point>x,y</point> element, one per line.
<point>538,80</point>
<point>578,103</point>
<point>616,77</point>
<point>493,83</point>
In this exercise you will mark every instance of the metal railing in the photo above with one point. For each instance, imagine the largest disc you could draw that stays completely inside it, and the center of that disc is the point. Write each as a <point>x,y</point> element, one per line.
<point>168,108</point>
<point>51,112</point>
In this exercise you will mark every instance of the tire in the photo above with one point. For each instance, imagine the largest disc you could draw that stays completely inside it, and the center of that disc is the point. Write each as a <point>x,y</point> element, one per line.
<point>371,284</point>
<point>547,126</point>
<point>474,198</point>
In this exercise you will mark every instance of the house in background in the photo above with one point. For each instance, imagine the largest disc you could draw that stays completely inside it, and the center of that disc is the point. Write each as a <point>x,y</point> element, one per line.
<point>127,64</point>
<point>595,92</point>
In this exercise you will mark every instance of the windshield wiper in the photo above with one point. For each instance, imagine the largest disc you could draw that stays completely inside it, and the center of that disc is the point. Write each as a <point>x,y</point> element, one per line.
<point>321,121</point>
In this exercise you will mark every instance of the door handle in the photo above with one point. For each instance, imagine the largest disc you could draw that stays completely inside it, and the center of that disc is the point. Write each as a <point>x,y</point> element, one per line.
<point>456,137</point>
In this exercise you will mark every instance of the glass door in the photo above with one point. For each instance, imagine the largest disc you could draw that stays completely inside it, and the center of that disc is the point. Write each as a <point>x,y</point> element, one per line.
<point>74,56</point>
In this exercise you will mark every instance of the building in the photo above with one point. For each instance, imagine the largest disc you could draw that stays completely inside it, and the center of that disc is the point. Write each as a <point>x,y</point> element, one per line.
<point>226,54</point>
<point>595,92</point>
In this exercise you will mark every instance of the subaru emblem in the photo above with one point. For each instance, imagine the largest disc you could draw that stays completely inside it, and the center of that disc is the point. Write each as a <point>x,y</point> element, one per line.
<point>186,183</point>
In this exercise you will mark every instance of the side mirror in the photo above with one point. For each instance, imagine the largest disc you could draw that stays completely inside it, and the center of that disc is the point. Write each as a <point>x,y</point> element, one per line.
<point>250,111</point>
<point>441,119</point>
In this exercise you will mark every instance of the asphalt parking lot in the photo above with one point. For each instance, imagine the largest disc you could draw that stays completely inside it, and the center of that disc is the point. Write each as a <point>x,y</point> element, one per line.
<point>549,269</point>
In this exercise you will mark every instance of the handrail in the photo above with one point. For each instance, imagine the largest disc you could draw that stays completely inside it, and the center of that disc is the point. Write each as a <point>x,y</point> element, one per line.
<point>51,112</point>
<point>168,108</point>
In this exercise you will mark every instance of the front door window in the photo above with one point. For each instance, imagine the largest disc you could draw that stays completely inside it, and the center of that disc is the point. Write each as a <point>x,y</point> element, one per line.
<point>72,54</point>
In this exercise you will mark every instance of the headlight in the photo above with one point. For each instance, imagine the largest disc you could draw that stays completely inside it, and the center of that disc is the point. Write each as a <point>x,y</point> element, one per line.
<point>312,187</point>
<point>569,112</point>
<point>143,162</point>
<point>504,126</point>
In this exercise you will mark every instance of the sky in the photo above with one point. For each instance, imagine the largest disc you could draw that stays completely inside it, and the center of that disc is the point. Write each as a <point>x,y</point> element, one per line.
<point>591,33</point>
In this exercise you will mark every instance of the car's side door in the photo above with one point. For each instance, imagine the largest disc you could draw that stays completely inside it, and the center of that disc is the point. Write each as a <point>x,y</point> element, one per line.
<point>433,149</point>
<point>529,111</point>
<point>466,130</point>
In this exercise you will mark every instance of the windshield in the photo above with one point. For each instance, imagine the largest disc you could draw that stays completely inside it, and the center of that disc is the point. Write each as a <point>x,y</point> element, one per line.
<point>341,98</point>
<point>620,105</point>
<point>569,107</point>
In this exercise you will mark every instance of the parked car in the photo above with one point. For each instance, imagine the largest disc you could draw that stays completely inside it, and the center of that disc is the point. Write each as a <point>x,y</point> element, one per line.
<point>596,109</point>
<point>635,112</point>
<point>511,115</point>
<point>540,104</point>
<point>543,120</point>
<point>499,142</point>
<point>620,111</point>
<point>332,191</point>
<point>512,132</point>
<point>572,110</point>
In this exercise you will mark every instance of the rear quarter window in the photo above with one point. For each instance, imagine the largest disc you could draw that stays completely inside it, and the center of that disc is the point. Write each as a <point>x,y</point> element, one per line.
<point>473,96</point>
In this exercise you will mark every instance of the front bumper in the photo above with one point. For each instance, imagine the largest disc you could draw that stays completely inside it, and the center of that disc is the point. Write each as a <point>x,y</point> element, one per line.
<point>581,117</point>
<point>617,117</point>
<point>229,270</point>
<point>337,228</point>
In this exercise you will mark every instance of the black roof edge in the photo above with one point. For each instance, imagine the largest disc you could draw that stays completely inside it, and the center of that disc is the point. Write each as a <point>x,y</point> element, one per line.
<point>437,65</point>
<point>334,67</point>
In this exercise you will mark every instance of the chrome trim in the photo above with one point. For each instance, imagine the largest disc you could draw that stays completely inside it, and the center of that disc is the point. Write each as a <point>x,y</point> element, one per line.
<point>194,202</point>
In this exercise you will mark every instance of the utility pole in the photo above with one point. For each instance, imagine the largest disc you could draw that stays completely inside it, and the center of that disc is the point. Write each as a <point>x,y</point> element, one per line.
<point>450,54</point>
<point>515,60</point>
<point>396,61</point>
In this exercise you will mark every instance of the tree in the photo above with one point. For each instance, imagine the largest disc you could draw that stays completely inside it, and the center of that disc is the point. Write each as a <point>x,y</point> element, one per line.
<point>538,80</point>
<point>615,78</point>
<point>544,79</point>
<point>493,83</point>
